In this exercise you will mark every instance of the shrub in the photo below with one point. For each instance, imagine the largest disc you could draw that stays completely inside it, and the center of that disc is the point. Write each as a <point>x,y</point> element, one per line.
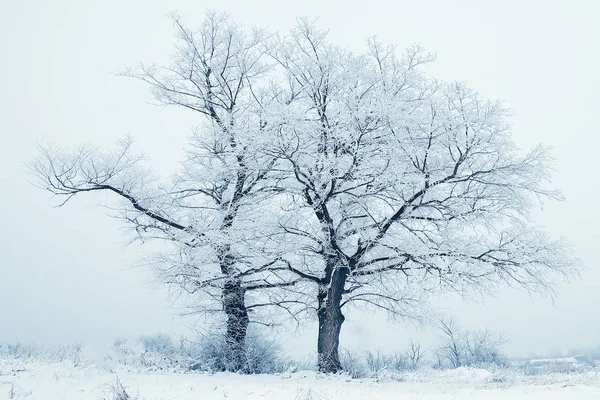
<point>117,391</point>
<point>377,364</point>
<point>157,352</point>
<point>460,347</point>
<point>353,364</point>
<point>75,354</point>
<point>209,353</point>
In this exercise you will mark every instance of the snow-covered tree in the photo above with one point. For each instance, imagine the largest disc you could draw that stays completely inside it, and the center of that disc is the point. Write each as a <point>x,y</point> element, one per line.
<point>402,185</point>
<point>323,178</point>
<point>208,212</point>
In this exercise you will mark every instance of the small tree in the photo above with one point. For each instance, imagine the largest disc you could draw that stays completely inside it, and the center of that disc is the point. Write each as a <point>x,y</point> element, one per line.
<point>414,354</point>
<point>483,347</point>
<point>461,347</point>
<point>452,346</point>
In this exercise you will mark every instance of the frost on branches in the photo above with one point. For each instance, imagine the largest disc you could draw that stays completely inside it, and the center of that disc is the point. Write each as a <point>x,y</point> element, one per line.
<point>324,178</point>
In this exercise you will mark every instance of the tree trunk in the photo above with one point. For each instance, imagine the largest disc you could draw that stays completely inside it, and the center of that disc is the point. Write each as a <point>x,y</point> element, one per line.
<point>330,322</point>
<point>237,326</point>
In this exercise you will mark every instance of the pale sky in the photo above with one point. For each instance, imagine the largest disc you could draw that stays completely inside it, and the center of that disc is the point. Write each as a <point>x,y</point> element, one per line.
<point>65,275</point>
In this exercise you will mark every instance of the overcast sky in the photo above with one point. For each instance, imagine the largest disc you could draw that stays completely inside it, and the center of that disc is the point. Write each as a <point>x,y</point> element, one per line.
<point>65,274</point>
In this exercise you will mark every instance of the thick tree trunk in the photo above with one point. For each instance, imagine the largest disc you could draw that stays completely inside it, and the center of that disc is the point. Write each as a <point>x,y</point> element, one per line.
<point>330,322</point>
<point>237,326</point>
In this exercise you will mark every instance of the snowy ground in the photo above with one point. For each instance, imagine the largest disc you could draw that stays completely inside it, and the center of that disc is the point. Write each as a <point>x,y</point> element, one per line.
<point>52,381</point>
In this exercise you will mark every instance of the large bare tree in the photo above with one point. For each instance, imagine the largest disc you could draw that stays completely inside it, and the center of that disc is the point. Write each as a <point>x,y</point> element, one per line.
<point>402,184</point>
<point>208,211</point>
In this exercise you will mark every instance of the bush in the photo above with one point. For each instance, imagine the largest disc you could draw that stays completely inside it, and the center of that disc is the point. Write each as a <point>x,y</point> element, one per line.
<point>75,354</point>
<point>460,347</point>
<point>209,353</point>
<point>379,364</point>
<point>117,391</point>
<point>353,364</point>
<point>376,364</point>
<point>156,352</point>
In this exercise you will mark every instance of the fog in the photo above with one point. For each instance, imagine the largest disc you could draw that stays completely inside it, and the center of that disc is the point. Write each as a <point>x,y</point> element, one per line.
<point>66,274</point>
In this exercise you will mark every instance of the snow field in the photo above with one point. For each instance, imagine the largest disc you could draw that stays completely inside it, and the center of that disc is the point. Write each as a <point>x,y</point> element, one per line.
<point>33,380</point>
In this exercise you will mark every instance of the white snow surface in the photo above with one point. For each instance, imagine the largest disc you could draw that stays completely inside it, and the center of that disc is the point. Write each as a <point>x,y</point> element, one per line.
<point>53,381</point>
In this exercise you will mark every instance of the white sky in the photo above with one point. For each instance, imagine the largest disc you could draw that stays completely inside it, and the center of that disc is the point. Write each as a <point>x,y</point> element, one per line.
<point>65,275</point>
